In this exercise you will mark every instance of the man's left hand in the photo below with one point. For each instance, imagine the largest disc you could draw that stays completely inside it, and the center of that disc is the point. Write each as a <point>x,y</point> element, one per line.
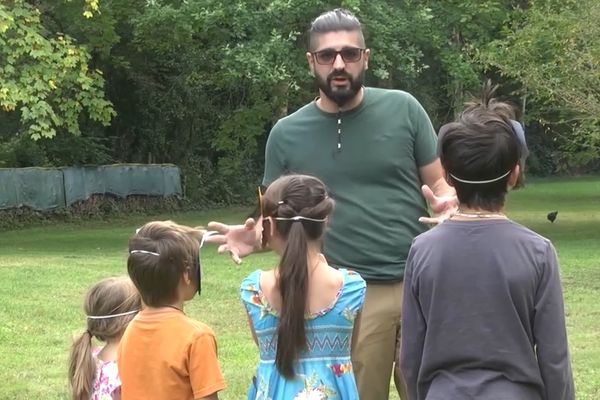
<point>443,207</point>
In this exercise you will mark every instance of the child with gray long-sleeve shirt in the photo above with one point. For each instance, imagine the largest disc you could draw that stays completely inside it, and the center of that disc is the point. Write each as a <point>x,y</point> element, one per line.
<point>483,314</point>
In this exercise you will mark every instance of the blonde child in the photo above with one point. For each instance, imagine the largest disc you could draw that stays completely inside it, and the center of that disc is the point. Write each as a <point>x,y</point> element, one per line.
<point>109,305</point>
<point>164,354</point>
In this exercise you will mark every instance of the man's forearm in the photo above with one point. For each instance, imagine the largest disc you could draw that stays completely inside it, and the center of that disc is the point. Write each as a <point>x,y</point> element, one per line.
<point>441,188</point>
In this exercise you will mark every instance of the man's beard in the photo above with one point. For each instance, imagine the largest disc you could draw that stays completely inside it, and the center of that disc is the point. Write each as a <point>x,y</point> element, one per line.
<point>339,94</point>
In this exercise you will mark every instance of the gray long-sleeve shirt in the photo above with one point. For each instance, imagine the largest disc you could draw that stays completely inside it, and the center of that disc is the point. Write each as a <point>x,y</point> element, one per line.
<point>483,315</point>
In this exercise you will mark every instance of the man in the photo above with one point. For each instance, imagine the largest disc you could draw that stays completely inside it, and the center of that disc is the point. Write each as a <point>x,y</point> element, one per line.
<point>374,149</point>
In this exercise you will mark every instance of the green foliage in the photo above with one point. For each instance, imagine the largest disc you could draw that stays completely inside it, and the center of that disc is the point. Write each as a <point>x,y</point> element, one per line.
<point>19,152</point>
<point>554,53</point>
<point>62,150</point>
<point>66,150</point>
<point>210,79</point>
<point>45,76</point>
<point>200,83</point>
<point>455,29</point>
<point>543,158</point>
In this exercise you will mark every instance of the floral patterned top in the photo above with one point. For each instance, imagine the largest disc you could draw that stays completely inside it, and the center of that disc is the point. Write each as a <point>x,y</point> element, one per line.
<point>324,370</point>
<point>107,380</point>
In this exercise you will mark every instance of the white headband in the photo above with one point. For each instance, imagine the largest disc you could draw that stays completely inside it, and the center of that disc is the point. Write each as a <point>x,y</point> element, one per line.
<point>207,234</point>
<point>144,252</point>
<point>112,315</point>
<point>481,182</point>
<point>300,217</point>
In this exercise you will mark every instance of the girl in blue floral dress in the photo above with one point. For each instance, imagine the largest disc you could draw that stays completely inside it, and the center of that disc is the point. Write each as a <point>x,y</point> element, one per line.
<point>302,312</point>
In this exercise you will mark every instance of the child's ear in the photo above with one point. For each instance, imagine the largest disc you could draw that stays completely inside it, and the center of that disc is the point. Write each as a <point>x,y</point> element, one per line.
<point>311,63</point>
<point>271,226</point>
<point>187,276</point>
<point>447,177</point>
<point>514,176</point>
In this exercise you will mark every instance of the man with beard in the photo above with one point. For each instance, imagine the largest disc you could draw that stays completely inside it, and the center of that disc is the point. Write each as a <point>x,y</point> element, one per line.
<point>373,148</point>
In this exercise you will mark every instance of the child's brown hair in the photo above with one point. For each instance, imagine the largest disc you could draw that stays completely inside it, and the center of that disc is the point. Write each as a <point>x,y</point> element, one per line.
<point>159,253</point>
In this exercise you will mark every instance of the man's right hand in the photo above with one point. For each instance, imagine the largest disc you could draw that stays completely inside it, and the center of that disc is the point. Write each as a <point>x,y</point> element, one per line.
<point>237,240</point>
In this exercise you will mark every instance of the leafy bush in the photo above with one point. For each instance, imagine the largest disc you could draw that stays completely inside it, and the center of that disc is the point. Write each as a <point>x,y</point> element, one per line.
<point>22,151</point>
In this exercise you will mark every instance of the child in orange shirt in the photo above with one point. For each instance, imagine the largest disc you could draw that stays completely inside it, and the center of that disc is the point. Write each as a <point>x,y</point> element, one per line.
<point>164,354</point>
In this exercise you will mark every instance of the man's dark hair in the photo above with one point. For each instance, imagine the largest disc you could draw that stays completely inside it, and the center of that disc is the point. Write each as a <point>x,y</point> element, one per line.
<point>480,146</point>
<point>333,21</point>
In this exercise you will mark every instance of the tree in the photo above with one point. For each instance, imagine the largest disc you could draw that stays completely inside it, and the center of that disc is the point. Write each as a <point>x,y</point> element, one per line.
<point>45,76</point>
<point>554,53</point>
<point>199,83</point>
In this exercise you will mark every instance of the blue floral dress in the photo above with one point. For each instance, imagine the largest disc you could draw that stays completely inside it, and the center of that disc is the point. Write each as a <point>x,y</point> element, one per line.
<point>324,370</point>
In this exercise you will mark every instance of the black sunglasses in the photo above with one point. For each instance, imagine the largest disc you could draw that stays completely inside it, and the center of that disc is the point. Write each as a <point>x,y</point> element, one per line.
<point>328,56</point>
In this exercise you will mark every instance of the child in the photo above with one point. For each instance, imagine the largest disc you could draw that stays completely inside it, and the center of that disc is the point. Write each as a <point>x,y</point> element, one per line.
<point>302,312</point>
<point>110,305</point>
<point>164,354</point>
<point>483,315</point>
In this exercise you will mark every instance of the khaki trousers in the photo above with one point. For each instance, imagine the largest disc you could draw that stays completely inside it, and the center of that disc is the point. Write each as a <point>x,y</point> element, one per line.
<point>376,342</point>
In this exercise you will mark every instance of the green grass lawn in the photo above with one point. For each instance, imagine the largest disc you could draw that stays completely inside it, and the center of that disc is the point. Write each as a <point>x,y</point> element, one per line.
<point>45,271</point>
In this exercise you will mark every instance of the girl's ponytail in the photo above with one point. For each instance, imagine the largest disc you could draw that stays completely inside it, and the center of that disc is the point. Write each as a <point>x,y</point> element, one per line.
<point>293,285</point>
<point>82,367</point>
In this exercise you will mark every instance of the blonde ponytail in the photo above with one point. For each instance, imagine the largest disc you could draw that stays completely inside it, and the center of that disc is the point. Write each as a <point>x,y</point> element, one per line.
<point>82,367</point>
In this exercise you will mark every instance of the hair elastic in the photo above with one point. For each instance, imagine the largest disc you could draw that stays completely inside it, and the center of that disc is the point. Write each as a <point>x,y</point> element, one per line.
<point>144,252</point>
<point>112,315</point>
<point>300,217</point>
<point>481,182</point>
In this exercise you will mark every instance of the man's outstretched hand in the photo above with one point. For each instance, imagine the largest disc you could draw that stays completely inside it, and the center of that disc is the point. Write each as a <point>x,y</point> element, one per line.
<point>443,207</point>
<point>237,240</point>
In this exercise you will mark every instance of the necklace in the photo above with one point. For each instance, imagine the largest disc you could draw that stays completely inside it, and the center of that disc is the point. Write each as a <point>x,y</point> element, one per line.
<point>480,215</point>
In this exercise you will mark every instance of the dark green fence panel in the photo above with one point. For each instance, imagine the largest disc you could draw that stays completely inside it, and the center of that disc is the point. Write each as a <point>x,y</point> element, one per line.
<point>37,188</point>
<point>48,188</point>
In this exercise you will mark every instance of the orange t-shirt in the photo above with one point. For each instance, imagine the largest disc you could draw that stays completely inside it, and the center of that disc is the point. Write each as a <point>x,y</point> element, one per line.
<point>165,355</point>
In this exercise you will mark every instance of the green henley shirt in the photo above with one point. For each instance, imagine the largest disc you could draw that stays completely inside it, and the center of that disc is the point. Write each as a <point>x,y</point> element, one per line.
<point>373,177</point>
